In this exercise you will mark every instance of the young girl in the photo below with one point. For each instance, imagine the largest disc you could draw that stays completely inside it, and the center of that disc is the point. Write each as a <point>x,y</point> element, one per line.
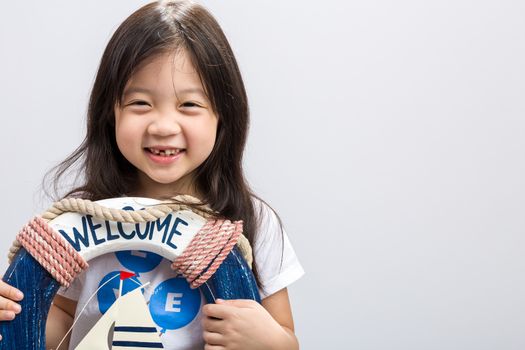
<point>168,115</point>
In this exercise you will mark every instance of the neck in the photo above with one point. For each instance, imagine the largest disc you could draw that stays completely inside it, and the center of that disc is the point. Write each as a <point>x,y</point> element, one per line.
<point>151,189</point>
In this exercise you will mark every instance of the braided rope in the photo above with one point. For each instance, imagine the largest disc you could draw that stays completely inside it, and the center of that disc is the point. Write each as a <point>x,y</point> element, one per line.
<point>73,258</point>
<point>226,249</point>
<point>199,252</point>
<point>246,249</point>
<point>212,249</point>
<point>15,247</point>
<point>46,246</point>
<point>47,261</point>
<point>210,245</point>
<point>85,206</point>
<point>33,236</point>
<point>182,264</point>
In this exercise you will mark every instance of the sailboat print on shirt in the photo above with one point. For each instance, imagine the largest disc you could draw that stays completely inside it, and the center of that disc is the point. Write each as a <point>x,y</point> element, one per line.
<point>126,325</point>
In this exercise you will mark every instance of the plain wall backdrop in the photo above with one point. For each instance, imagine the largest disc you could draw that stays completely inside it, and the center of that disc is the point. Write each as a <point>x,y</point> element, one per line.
<point>389,136</point>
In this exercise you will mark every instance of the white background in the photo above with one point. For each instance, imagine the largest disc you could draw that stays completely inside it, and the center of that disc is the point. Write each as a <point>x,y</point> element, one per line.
<point>389,135</point>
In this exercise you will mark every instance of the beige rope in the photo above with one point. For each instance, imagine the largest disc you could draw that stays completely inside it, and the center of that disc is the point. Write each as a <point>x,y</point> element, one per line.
<point>85,206</point>
<point>246,249</point>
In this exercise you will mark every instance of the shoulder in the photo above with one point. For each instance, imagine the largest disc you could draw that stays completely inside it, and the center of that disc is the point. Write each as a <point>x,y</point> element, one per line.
<point>259,204</point>
<point>270,231</point>
<point>266,217</point>
<point>276,261</point>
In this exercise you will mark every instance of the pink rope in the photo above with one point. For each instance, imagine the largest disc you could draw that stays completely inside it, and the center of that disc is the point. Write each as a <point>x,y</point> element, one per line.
<point>34,238</point>
<point>43,260</point>
<point>200,254</point>
<point>224,233</point>
<point>72,256</point>
<point>183,262</point>
<point>207,251</point>
<point>44,244</point>
<point>220,258</point>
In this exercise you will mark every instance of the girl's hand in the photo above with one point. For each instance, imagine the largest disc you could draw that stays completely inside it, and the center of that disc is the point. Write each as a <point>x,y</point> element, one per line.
<point>8,307</point>
<point>240,324</point>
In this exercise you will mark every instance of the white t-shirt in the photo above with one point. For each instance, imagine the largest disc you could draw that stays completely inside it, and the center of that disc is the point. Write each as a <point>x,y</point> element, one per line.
<point>174,307</point>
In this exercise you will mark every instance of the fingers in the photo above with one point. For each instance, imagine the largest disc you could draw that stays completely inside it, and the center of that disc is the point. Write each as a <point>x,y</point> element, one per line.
<point>213,347</point>
<point>10,292</point>
<point>212,324</point>
<point>8,308</point>
<point>216,311</point>
<point>224,308</point>
<point>212,338</point>
<point>9,305</point>
<point>6,315</point>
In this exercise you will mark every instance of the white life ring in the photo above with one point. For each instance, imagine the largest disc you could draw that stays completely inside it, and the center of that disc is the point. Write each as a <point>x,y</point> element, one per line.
<point>37,270</point>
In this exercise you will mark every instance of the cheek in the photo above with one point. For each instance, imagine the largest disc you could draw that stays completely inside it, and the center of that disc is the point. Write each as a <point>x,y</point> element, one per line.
<point>209,140</point>
<point>126,135</point>
<point>201,137</point>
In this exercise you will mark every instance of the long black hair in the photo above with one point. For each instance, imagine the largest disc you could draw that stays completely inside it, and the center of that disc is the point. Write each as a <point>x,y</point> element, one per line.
<point>163,27</point>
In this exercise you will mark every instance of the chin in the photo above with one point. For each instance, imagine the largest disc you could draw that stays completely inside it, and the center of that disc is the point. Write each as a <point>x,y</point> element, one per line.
<point>164,180</point>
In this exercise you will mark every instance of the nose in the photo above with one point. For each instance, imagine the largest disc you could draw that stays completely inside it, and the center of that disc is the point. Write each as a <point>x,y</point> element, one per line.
<point>165,124</point>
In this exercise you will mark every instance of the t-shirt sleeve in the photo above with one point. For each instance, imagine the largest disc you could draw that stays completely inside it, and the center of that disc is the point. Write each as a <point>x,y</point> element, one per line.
<point>277,263</point>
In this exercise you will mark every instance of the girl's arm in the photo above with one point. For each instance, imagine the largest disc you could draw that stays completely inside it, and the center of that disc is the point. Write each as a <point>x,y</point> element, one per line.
<point>278,305</point>
<point>245,324</point>
<point>59,320</point>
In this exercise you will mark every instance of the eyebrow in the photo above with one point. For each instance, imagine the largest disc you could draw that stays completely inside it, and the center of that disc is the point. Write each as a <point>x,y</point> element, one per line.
<point>132,90</point>
<point>137,89</point>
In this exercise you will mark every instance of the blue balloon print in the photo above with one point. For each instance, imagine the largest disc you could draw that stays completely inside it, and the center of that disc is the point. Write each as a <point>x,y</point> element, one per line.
<point>174,304</point>
<point>138,260</point>
<point>107,295</point>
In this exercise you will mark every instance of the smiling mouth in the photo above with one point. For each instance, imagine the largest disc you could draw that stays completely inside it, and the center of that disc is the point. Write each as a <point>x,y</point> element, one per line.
<point>165,152</point>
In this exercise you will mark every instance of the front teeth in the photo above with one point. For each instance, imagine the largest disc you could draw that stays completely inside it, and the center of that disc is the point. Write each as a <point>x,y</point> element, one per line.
<point>167,152</point>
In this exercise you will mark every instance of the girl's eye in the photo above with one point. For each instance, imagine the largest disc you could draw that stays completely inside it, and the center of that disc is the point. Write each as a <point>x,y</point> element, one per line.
<point>140,103</point>
<point>189,104</point>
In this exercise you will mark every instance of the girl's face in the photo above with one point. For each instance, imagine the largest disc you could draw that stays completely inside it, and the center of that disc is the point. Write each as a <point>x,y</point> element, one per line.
<point>165,125</point>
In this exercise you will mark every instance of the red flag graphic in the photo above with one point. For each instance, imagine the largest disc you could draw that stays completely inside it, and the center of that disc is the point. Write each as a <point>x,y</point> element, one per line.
<point>125,274</point>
